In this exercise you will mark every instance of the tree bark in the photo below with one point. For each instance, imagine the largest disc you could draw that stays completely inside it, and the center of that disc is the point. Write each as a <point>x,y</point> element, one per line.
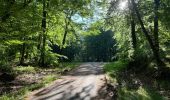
<point>22,54</point>
<point>156,30</point>
<point>65,33</point>
<point>151,43</point>
<point>133,34</point>
<point>42,56</point>
<point>133,25</point>
<point>67,22</point>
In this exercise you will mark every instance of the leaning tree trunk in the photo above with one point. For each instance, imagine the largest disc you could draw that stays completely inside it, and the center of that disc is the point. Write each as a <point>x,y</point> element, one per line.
<point>133,25</point>
<point>65,34</point>
<point>151,43</point>
<point>67,23</point>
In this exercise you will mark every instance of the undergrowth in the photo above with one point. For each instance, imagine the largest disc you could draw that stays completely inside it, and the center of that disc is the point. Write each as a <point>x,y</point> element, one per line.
<point>131,85</point>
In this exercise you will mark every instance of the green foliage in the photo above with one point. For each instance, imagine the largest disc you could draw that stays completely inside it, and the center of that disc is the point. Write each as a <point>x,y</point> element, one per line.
<point>48,79</point>
<point>125,87</point>
<point>112,70</point>
<point>26,69</point>
<point>21,31</point>
<point>52,58</point>
<point>99,47</point>
<point>116,66</point>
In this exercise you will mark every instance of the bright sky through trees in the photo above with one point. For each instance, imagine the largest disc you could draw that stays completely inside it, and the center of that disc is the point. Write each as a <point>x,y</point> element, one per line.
<point>123,5</point>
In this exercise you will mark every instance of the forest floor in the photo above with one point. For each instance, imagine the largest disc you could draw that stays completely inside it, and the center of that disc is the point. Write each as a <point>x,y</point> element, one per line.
<point>86,82</point>
<point>136,85</point>
<point>29,78</point>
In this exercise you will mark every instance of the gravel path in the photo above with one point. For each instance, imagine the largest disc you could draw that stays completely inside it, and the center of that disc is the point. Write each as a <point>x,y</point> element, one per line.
<point>86,82</point>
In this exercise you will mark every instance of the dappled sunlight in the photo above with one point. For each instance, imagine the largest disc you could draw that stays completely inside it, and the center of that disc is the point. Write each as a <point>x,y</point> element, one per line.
<point>84,82</point>
<point>139,94</point>
<point>85,70</point>
<point>134,86</point>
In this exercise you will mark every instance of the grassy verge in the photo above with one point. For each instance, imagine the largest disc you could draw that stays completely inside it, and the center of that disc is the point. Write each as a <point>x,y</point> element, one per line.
<point>38,78</point>
<point>19,94</point>
<point>132,86</point>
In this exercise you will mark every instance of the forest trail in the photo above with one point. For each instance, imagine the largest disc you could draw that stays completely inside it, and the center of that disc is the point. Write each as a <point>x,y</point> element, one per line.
<point>86,82</point>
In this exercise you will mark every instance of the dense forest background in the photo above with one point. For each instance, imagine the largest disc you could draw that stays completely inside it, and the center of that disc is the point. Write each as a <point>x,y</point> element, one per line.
<point>45,32</point>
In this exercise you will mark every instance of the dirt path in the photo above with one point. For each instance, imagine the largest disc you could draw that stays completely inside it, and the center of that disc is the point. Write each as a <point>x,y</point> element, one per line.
<point>87,82</point>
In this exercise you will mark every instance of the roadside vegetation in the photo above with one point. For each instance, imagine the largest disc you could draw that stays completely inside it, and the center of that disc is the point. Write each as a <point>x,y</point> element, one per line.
<point>127,84</point>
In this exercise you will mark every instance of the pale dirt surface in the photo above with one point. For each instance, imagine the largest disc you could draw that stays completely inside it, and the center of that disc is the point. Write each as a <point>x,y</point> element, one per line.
<point>86,82</point>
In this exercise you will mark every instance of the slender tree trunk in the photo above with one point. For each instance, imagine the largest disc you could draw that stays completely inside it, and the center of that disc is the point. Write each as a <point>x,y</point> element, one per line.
<point>133,34</point>
<point>65,34</point>
<point>67,22</point>
<point>39,41</point>
<point>156,6</point>
<point>133,26</point>
<point>22,54</point>
<point>151,43</point>
<point>42,56</point>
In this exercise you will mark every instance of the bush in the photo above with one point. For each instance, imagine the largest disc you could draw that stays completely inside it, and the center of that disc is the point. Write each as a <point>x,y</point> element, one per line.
<point>51,58</point>
<point>5,66</point>
<point>115,66</point>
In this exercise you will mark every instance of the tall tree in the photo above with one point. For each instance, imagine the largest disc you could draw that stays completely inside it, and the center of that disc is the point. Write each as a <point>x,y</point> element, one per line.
<point>69,14</point>
<point>156,26</point>
<point>44,14</point>
<point>133,25</point>
<point>150,40</point>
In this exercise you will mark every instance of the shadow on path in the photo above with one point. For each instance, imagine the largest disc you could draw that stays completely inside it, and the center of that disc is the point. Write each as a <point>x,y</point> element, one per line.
<point>87,82</point>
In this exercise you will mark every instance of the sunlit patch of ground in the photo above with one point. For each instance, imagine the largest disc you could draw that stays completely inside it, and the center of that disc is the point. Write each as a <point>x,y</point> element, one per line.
<point>30,78</point>
<point>136,86</point>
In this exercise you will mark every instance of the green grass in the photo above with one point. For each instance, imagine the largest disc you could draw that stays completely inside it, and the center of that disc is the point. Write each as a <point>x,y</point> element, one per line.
<point>139,94</point>
<point>25,69</point>
<point>49,78</point>
<point>115,66</point>
<point>21,93</point>
<point>114,70</point>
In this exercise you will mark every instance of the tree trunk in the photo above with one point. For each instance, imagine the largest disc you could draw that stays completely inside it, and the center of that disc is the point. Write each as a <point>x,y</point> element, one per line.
<point>65,34</point>
<point>22,54</point>
<point>133,25</point>
<point>155,52</point>
<point>133,34</point>
<point>42,56</point>
<point>67,22</point>
<point>156,6</point>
